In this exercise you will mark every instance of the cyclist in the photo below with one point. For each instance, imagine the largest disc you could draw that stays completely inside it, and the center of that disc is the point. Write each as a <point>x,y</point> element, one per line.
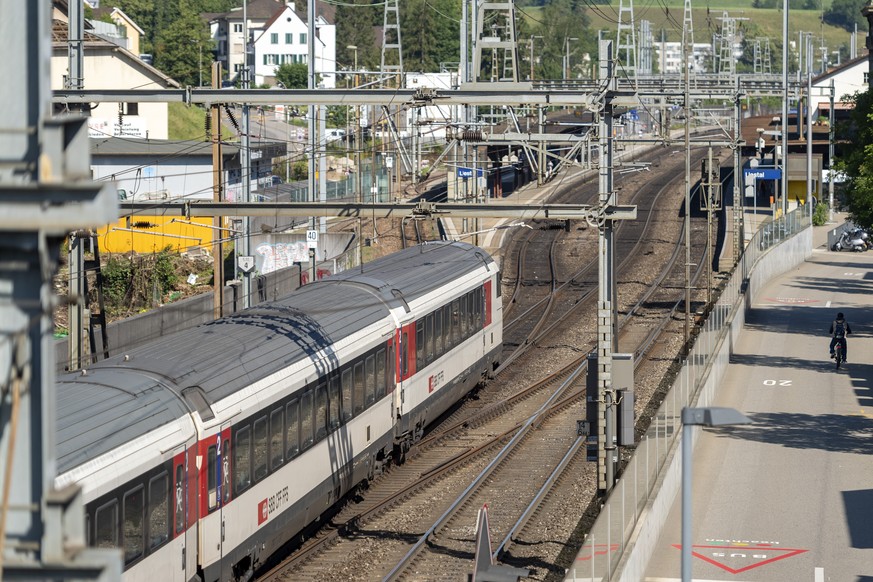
<point>839,330</point>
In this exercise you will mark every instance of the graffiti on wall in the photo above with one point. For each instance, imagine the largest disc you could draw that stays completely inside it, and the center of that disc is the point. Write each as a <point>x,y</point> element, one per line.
<point>273,256</point>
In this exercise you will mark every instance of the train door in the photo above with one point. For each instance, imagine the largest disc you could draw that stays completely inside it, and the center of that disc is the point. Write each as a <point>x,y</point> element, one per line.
<point>224,493</point>
<point>179,565</point>
<point>405,356</point>
<point>214,494</point>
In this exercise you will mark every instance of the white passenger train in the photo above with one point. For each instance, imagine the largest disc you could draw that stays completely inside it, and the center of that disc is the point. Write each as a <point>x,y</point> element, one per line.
<point>203,452</point>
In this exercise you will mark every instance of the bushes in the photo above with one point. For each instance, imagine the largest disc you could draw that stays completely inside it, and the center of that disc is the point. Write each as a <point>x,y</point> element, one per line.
<point>133,284</point>
<point>820,214</point>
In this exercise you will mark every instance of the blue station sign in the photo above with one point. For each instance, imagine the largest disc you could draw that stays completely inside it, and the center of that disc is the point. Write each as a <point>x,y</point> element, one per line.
<point>763,173</point>
<point>468,172</point>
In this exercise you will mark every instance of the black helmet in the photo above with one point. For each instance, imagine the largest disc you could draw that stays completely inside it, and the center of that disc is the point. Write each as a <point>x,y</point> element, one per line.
<point>840,315</point>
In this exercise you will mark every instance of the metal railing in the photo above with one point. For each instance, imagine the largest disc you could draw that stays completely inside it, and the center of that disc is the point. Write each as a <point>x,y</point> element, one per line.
<point>607,541</point>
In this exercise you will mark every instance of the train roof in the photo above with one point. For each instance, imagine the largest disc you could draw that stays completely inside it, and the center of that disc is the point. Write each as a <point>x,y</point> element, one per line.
<point>128,395</point>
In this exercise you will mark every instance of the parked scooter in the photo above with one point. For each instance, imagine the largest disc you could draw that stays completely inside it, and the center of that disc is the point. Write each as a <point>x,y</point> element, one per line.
<point>852,240</point>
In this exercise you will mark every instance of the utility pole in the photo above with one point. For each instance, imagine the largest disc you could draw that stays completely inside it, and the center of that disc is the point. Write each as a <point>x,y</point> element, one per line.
<point>76,256</point>
<point>245,260</point>
<point>312,116</point>
<point>606,322</point>
<point>46,192</point>
<point>784,180</point>
<point>217,245</point>
<point>687,109</point>
<point>832,174</point>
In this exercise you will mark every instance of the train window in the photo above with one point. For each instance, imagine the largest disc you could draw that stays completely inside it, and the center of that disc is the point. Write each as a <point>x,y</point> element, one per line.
<point>456,322</point>
<point>321,411</point>
<point>381,380</point>
<point>499,283</point>
<point>306,420</point>
<point>438,333</point>
<point>359,388</point>
<point>347,394</point>
<point>334,399</point>
<point>212,477</point>
<point>447,327</point>
<point>465,314</point>
<point>420,346</point>
<point>131,524</point>
<point>179,499</point>
<point>225,470</point>
<point>87,529</point>
<point>242,459</point>
<point>106,526</point>
<point>277,433</point>
<point>261,448</point>
<point>428,331</point>
<point>159,510</point>
<point>390,368</point>
<point>292,438</point>
<point>480,298</point>
<point>371,380</point>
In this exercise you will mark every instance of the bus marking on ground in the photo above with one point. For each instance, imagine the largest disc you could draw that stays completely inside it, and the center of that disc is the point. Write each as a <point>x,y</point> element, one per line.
<point>762,555</point>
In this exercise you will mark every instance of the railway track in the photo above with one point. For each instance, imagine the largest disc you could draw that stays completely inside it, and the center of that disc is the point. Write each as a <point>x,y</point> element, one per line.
<point>409,511</point>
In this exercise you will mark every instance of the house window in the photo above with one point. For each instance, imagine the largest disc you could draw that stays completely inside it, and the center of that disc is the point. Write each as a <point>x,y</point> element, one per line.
<point>274,38</point>
<point>237,27</point>
<point>289,38</point>
<point>302,38</point>
<point>866,77</point>
<point>237,67</point>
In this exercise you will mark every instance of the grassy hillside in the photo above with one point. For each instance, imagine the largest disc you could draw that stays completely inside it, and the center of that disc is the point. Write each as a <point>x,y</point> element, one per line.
<point>667,16</point>
<point>189,123</point>
<point>754,22</point>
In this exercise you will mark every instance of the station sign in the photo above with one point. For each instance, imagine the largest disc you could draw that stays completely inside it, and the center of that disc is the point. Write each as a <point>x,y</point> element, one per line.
<point>762,173</point>
<point>468,172</point>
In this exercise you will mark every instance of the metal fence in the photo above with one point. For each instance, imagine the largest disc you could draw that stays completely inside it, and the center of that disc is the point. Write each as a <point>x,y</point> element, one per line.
<point>607,541</point>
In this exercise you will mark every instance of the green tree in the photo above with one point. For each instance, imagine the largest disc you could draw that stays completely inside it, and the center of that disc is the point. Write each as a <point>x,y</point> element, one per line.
<point>562,20</point>
<point>856,159</point>
<point>354,24</point>
<point>293,75</point>
<point>183,49</point>
<point>430,31</point>
<point>846,14</point>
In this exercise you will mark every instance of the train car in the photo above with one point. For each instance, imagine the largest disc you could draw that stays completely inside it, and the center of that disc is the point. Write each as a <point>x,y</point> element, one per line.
<point>202,453</point>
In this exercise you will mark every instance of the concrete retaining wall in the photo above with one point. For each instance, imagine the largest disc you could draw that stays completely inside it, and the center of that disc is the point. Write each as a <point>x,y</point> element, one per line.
<point>189,312</point>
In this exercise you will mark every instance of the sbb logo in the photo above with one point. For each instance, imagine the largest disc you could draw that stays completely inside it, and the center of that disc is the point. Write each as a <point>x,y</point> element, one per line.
<point>262,512</point>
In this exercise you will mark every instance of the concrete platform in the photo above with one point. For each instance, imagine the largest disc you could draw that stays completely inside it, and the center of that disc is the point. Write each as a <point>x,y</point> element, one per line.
<point>790,496</point>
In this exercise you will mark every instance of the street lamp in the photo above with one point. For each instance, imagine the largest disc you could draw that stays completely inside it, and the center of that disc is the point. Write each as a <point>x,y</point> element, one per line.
<point>708,416</point>
<point>567,56</point>
<point>199,60</point>
<point>530,42</point>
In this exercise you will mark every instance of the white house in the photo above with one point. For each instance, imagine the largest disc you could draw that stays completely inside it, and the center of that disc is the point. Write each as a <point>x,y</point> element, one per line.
<point>848,78</point>
<point>285,40</point>
<point>669,57</point>
<point>175,170</point>
<point>109,66</point>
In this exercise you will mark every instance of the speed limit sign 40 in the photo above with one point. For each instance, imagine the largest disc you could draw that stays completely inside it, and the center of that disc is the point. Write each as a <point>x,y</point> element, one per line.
<point>312,239</point>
